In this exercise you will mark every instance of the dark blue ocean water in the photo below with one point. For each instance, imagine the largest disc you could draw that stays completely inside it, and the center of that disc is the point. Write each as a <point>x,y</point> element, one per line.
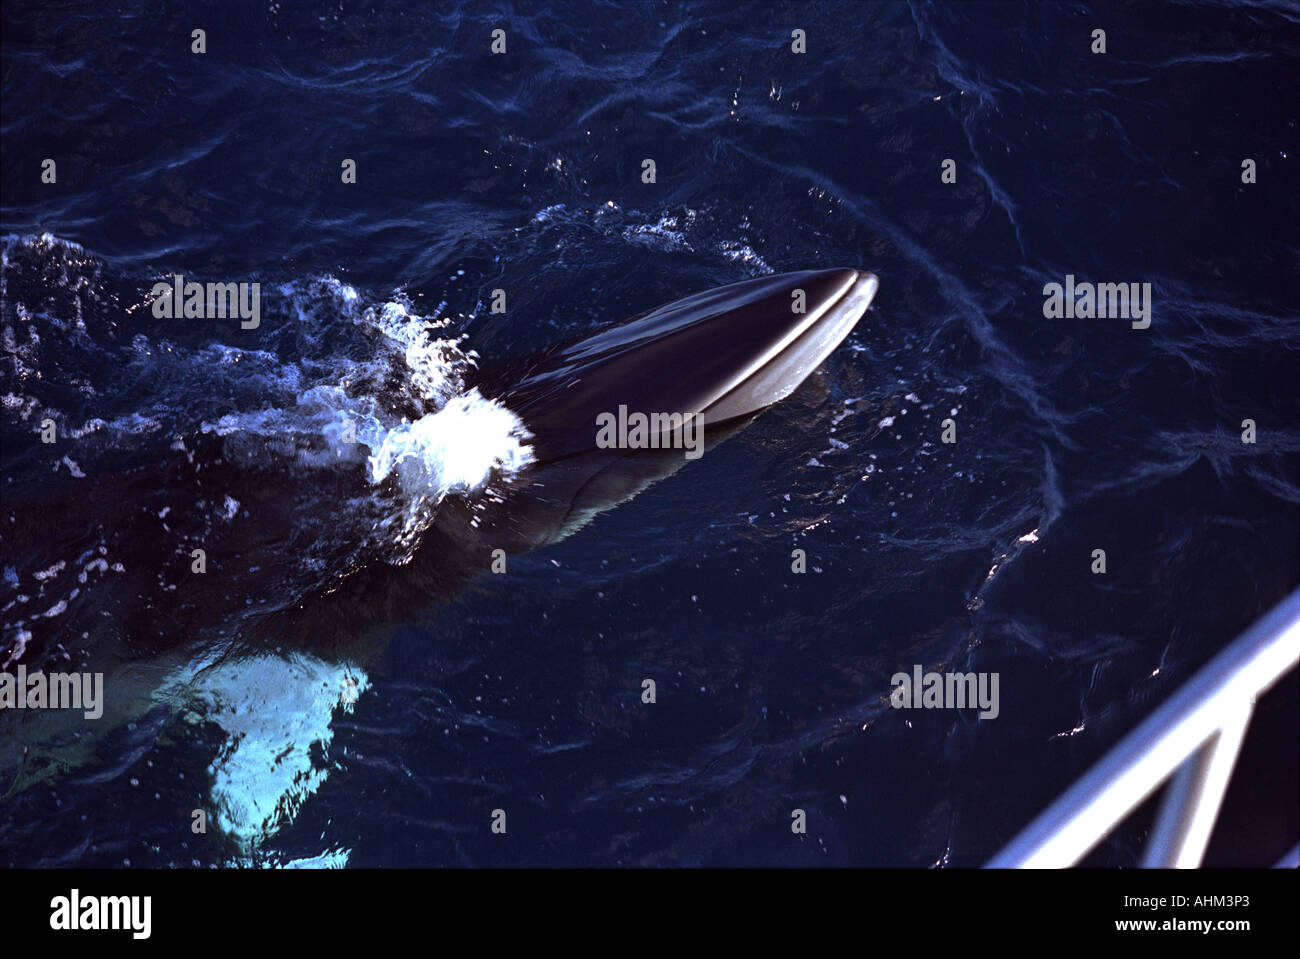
<point>389,736</point>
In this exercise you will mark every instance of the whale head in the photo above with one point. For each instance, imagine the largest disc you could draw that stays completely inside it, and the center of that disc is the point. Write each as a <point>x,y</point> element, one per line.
<point>721,355</point>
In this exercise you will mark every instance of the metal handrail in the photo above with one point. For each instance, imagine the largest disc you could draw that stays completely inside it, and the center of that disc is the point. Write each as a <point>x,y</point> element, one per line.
<point>1197,732</point>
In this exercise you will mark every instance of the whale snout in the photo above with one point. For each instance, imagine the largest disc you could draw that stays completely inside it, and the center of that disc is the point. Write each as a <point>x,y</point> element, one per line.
<point>794,346</point>
<point>722,354</point>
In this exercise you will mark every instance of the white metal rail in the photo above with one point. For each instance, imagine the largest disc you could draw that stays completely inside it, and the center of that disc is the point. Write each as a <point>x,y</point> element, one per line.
<point>1196,734</point>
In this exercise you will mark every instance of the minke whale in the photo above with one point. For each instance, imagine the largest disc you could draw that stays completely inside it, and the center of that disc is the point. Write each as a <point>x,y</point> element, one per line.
<point>716,358</point>
<point>720,357</point>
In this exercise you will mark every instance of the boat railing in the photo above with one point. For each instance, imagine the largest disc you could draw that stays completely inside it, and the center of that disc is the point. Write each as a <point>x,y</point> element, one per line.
<point>1192,740</point>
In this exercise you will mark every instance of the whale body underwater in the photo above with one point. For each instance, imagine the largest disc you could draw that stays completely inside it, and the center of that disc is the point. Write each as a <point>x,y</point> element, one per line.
<point>718,357</point>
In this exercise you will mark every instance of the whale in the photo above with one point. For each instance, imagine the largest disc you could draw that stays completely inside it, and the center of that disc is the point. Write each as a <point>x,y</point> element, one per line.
<point>713,359</point>
<point>717,358</point>
<point>722,356</point>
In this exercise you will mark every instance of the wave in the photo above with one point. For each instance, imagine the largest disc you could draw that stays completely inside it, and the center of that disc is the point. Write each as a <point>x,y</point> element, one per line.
<point>325,441</point>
